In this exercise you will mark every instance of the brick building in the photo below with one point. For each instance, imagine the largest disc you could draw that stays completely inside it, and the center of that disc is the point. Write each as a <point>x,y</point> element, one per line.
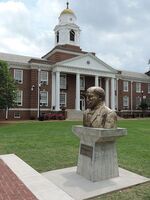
<point>61,77</point>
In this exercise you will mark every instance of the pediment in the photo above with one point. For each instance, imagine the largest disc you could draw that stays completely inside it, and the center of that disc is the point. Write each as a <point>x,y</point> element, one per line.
<point>87,61</point>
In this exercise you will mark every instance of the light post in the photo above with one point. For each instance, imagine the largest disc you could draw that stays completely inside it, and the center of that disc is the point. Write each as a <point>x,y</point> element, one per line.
<point>39,89</point>
<point>142,92</point>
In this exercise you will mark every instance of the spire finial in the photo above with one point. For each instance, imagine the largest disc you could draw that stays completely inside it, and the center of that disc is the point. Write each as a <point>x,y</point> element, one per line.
<point>67,5</point>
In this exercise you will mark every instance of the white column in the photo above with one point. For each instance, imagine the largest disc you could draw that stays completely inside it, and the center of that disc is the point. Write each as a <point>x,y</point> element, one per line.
<point>57,98</point>
<point>112,93</point>
<point>53,95</point>
<point>96,81</point>
<point>107,91</point>
<point>77,91</point>
<point>100,82</point>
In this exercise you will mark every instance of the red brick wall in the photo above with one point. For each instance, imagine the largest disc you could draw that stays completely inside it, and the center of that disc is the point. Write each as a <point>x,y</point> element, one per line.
<point>58,56</point>
<point>71,90</point>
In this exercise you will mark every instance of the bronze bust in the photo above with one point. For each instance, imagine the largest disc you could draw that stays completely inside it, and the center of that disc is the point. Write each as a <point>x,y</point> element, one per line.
<point>97,114</point>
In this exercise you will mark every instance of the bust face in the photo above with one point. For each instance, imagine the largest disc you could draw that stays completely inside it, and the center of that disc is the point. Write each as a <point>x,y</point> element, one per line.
<point>92,100</point>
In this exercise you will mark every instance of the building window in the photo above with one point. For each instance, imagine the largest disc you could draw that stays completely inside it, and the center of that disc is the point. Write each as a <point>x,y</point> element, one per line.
<point>138,102</point>
<point>125,86</point>
<point>16,115</point>
<point>44,77</point>
<point>125,102</point>
<point>43,98</point>
<point>18,75</point>
<point>57,36</point>
<point>148,87</point>
<point>82,82</point>
<point>72,35</point>
<point>63,81</point>
<point>19,98</point>
<point>138,87</point>
<point>63,99</point>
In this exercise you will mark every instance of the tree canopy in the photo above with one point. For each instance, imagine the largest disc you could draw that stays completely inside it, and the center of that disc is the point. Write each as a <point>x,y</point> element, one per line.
<point>7,87</point>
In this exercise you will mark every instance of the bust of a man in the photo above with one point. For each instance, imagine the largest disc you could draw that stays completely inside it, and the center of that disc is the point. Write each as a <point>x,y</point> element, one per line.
<point>97,114</point>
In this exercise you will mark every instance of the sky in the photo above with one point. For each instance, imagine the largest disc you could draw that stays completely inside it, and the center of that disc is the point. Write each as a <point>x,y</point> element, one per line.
<point>118,31</point>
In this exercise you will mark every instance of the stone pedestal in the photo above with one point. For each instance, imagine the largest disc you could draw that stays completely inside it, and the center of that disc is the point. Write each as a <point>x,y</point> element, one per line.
<point>97,158</point>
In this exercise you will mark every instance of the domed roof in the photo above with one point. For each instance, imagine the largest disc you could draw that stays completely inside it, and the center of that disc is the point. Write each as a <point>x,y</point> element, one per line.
<point>67,11</point>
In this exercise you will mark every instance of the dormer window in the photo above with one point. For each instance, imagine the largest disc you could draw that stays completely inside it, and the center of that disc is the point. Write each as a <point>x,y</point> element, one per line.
<point>72,35</point>
<point>57,36</point>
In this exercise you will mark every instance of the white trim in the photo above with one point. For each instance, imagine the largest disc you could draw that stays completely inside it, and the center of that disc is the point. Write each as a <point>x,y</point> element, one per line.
<point>65,103</point>
<point>15,117</point>
<point>65,81</point>
<point>96,81</point>
<point>77,92</point>
<point>138,87</point>
<point>134,79</point>
<point>112,70</point>
<point>126,101</point>
<point>21,102</point>
<point>42,80</point>
<point>125,86</point>
<point>21,75</point>
<point>41,103</point>
<point>62,51</point>
<point>75,70</point>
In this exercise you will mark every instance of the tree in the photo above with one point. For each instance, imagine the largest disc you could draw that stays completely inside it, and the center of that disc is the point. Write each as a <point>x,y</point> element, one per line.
<point>7,87</point>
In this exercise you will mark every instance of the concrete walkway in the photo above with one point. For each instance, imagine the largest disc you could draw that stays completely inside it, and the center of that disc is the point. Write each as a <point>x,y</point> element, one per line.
<point>19,181</point>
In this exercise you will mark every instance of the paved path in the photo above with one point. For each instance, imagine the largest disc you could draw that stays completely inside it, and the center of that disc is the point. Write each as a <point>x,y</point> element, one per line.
<point>11,187</point>
<point>19,181</point>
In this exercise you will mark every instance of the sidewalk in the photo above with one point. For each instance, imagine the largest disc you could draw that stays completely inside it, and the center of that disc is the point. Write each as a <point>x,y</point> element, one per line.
<point>19,181</point>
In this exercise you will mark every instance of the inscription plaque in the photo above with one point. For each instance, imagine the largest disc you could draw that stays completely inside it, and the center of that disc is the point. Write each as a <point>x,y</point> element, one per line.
<point>86,150</point>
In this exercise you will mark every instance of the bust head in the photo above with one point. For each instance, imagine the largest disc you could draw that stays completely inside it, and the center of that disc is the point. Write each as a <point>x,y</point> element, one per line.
<point>95,96</point>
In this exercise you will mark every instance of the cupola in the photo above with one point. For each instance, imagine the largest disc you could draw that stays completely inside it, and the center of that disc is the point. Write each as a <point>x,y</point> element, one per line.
<point>67,31</point>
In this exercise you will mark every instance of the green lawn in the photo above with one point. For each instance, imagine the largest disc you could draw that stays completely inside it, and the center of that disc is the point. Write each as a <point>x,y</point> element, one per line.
<point>52,145</point>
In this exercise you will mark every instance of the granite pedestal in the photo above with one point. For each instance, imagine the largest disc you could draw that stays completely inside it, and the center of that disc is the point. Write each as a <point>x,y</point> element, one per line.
<point>97,158</point>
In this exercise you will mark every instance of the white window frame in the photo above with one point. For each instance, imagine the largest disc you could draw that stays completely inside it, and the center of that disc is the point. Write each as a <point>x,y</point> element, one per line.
<point>63,81</point>
<point>19,98</point>
<point>43,103</point>
<point>44,77</point>
<point>64,104</point>
<point>138,101</point>
<point>18,79</point>
<point>138,87</point>
<point>148,88</point>
<point>17,116</point>
<point>82,80</point>
<point>126,101</point>
<point>125,86</point>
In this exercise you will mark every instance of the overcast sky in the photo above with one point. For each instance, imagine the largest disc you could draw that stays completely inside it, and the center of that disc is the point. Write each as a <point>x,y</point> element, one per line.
<point>118,31</point>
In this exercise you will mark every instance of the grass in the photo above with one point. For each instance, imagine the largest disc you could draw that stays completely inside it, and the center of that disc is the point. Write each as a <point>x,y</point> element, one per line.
<point>52,145</point>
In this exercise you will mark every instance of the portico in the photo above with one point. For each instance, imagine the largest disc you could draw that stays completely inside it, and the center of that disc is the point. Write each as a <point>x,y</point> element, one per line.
<point>66,68</point>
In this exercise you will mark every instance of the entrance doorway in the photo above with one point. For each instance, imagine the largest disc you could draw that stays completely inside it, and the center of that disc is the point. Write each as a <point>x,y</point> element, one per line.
<point>82,103</point>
